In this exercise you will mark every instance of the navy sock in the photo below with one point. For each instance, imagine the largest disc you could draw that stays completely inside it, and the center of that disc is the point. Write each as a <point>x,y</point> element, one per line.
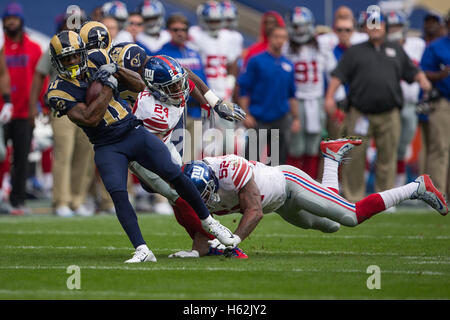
<point>127,217</point>
<point>187,190</point>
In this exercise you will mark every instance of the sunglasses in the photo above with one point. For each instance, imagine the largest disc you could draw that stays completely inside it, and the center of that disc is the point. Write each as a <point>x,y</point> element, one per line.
<point>344,30</point>
<point>135,24</point>
<point>178,29</point>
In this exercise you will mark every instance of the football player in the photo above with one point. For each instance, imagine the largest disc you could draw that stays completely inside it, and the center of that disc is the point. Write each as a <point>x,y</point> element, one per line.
<point>232,184</point>
<point>397,27</point>
<point>310,64</point>
<point>154,36</point>
<point>117,135</point>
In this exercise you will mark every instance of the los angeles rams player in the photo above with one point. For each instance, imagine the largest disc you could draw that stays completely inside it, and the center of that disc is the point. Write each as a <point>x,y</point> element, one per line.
<point>117,135</point>
<point>232,184</point>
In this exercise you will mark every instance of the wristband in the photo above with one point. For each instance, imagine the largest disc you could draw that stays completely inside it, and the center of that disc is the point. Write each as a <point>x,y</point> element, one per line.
<point>211,98</point>
<point>6,98</point>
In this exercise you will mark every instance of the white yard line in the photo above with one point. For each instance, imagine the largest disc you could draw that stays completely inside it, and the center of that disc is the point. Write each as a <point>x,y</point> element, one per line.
<point>269,252</point>
<point>215,269</point>
<point>267,235</point>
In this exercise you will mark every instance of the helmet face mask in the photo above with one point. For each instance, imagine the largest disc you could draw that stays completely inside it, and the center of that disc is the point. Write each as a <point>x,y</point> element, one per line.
<point>176,92</point>
<point>153,14</point>
<point>211,17</point>
<point>63,47</point>
<point>301,25</point>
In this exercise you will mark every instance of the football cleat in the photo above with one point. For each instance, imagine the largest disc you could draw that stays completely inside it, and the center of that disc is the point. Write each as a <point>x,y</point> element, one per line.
<point>142,254</point>
<point>222,233</point>
<point>427,192</point>
<point>229,253</point>
<point>336,149</point>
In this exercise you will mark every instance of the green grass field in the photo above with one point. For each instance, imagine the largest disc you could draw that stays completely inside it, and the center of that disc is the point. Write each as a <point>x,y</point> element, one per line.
<point>411,248</point>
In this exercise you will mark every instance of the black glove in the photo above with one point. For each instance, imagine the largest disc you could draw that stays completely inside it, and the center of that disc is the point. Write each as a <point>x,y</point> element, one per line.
<point>229,111</point>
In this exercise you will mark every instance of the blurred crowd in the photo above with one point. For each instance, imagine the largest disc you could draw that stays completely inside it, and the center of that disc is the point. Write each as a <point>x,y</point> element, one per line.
<point>299,81</point>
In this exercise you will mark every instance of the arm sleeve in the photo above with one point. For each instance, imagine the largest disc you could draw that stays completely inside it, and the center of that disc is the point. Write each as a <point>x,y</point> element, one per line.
<point>60,101</point>
<point>241,172</point>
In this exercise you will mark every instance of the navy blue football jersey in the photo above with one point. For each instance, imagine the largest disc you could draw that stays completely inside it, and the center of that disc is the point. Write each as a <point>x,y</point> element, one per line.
<point>129,56</point>
<point>63,94</point>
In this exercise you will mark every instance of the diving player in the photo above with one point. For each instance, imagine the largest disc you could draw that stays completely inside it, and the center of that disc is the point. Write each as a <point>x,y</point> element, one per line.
<point>117,135</point>
<point>232,184</point>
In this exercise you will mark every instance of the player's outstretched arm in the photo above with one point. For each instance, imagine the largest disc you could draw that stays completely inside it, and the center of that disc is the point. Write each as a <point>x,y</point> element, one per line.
<point>250,203</point>
<point>91,115</point>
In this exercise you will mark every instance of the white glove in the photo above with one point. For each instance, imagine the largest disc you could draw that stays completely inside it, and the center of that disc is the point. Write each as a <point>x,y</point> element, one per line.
<point>216,243</point>
<point>185,254</point>
<point>6,113</point>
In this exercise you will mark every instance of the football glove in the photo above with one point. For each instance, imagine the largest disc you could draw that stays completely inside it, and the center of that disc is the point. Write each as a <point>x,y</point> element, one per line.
<point>6,113</point>
<point>185,254</point>
<point>106,79</point>
<point>229,111</point>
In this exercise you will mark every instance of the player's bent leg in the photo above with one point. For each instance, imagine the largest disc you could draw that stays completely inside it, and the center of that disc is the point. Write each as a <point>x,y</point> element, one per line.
<point>305,193</point>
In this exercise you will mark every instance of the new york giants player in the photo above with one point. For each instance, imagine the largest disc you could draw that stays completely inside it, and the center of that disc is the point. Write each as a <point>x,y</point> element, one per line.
<point>154,36</point>
<point>397,27</point>
<point>311,64</point>
<point>232,184</point>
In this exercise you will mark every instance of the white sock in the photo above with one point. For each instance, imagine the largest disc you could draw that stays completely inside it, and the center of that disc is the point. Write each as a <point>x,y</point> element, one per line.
<point>394,196</point>
<point>330,173</point>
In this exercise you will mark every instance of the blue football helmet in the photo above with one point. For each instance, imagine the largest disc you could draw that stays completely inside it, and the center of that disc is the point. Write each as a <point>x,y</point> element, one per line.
<point>396,19</point>
<point>300,25</point>
<point>116,9</point>
<point>205,180</point>
<point>230,14</point>
<point>210,17</point>
<point>167,80</point>
<point>152,11</point>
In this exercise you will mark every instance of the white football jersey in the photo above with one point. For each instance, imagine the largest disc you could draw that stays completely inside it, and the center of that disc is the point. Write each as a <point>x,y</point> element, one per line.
<point>236,44</point>
<point>154,44</point>
<point>234,172</point>
<point>216,54</point>
<point>158,117</point>
<point>311,64</point>
<point>414,48</point>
